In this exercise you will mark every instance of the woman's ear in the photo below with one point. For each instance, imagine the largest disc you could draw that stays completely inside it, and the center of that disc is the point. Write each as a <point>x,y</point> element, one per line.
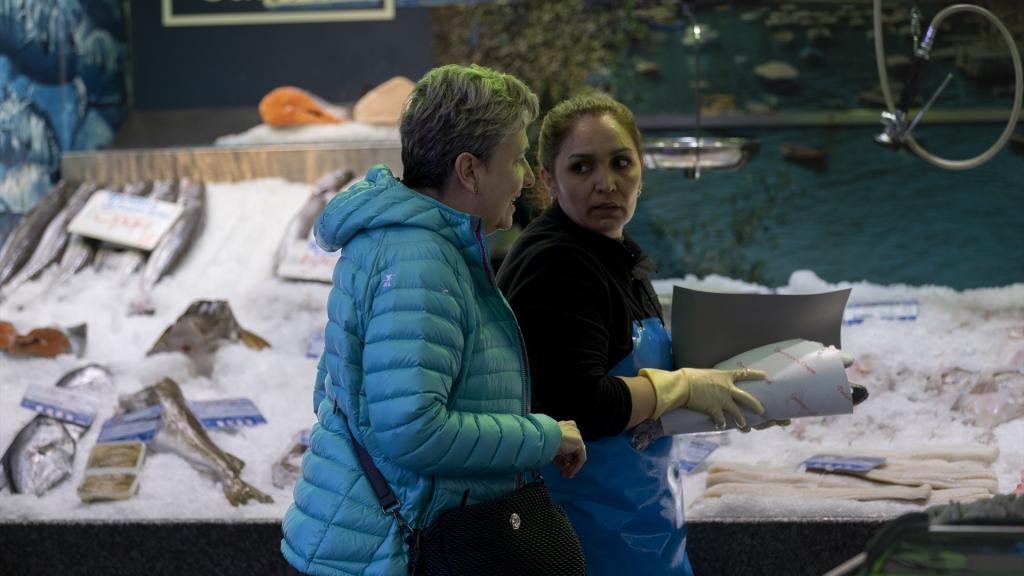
<point>466,171</point>
<point>549,182</point>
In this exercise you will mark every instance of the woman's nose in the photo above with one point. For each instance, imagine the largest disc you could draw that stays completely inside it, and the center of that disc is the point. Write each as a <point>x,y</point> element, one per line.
<point>605,181</point>
<point>528,179</point>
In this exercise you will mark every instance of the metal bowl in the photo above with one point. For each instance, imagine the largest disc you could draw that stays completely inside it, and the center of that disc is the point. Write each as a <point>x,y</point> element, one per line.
<point>714,153</point>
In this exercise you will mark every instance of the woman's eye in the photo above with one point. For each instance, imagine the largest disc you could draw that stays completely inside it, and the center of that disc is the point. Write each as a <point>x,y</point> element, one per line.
<point>578,167</point>
<point>623,162</point>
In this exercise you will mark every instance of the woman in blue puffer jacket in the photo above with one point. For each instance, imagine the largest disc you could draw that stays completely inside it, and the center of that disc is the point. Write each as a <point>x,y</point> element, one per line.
<point>424,364</point>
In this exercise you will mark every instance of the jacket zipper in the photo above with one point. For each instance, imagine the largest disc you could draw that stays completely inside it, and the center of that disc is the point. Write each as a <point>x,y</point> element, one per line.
<point>525,379</point>
<point>524,375</point>
<point>426,505</point>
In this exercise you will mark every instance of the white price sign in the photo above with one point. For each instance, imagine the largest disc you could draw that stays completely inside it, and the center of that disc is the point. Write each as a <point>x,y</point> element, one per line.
<point>131,221</point>
<point>307,261</point>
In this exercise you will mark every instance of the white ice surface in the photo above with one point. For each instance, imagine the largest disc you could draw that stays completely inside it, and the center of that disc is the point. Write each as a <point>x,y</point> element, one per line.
<point>978,332</point>
<point>313,134</point>
<point>232,261</point>
<point>975,330</point>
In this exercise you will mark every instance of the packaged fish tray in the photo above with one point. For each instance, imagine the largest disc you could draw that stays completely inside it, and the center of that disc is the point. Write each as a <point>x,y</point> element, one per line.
<point>112,471</point>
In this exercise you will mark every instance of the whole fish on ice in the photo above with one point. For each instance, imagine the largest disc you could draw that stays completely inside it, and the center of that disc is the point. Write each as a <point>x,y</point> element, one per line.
<point>181,433</point>
<point>54,239</point>
<point>201,330</point>
<point>173,246</point>
<point>42,454</point>
<point>301,224</point>
<point>22,241</point>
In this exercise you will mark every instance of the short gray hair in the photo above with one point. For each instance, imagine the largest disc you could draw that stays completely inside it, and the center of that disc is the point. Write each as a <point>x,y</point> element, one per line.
<point>455,109</point>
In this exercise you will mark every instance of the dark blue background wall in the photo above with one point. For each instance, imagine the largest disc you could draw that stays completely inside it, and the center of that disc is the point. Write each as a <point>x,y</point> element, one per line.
<point>212,66</point>
<point>67,90</point>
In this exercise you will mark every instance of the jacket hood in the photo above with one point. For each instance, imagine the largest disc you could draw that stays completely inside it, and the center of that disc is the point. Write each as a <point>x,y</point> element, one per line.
<point>379,201</point>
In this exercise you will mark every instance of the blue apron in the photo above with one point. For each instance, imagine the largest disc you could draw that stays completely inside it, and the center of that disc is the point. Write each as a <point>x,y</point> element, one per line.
<point>620,503</point>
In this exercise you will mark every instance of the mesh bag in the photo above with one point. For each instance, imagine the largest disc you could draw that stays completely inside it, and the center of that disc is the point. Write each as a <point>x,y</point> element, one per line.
<point>521,534</point>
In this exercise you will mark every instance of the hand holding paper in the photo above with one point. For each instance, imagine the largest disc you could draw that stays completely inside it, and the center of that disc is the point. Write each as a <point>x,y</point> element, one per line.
<point>794,339</point>
<point>712,392</point>
<point>804,378</point>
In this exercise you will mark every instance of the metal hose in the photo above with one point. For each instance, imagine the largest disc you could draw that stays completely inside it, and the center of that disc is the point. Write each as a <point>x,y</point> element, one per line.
<point>1018,91</point>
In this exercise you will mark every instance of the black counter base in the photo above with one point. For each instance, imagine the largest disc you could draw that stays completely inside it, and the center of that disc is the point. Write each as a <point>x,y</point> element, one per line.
<point>252,548</point>
<point>141,549</point>
<point>779,548</point>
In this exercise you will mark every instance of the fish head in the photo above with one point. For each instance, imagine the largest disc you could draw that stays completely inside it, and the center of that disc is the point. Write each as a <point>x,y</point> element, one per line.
<point>137,400</point>
<point>186,335</point>
<point>42,455</point>
<point>91,376</point>
<point>214,319</point>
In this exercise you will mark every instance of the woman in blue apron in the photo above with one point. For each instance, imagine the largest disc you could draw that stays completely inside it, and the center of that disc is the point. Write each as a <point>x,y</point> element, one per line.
<point>596,342</point>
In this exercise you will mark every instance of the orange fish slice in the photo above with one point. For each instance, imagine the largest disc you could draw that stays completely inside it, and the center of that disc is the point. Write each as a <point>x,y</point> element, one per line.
<point>42,342</point>
<point>291,106</point>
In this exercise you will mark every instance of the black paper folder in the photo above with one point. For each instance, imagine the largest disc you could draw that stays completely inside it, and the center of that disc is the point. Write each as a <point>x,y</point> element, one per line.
<point>709,327</point>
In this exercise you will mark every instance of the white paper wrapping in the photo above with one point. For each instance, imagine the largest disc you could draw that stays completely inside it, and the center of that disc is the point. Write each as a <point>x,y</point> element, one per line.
<point>804,379</point>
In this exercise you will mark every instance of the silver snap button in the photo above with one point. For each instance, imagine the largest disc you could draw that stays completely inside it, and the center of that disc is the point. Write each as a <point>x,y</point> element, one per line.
<point>515,521</point>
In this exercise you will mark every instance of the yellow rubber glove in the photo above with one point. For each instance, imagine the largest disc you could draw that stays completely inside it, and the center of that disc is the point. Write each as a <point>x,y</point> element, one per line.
<point>712,392</point>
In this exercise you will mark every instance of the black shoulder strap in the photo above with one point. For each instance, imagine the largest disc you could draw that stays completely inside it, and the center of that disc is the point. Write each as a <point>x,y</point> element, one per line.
<point>389,503</point>
<point>380,485</point>
<point>385,495</point>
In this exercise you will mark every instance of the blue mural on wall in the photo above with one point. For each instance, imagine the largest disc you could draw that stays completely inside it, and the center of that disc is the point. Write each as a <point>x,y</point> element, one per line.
<point>62,87</point>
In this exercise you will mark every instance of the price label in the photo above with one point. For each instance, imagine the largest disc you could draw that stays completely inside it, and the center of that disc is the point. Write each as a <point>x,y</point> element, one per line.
<point>693,452</point>
<point>130,221</point>
<point>305,260</point>
<point>61,403</point>
<point>144,423</point>
<point>227,413</point>
<point>315,344</point>
<point>857,313</point>
<point>836,463</point>
<point>116,429</point>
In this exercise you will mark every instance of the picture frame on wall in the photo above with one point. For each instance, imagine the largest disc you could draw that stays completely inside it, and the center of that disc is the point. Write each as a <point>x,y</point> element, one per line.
<point>181,13</point>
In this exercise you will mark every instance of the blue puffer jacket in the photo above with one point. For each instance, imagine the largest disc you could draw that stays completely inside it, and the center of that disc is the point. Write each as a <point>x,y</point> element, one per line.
<point>424,358</point>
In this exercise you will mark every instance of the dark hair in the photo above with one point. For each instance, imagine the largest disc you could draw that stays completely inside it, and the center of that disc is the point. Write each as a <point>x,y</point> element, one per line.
<point>561,119</point>
<point>455,109</point>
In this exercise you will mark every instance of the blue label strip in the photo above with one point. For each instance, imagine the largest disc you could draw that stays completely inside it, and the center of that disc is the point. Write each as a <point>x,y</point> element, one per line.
<point>63,414</point>
<point>832,463</point>
<point>695,451</point>
<point>147,413</point>
<point>227,413</point>
<point>212,414</point>
<point>898,310</point>
<point>315,345</point>
<point>115,430</point>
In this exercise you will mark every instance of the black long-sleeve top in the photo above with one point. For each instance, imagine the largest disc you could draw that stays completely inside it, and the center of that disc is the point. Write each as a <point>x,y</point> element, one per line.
<point>576,294</point>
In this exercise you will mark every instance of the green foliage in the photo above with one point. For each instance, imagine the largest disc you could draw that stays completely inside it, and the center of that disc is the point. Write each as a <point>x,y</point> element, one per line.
<point>552,45</point>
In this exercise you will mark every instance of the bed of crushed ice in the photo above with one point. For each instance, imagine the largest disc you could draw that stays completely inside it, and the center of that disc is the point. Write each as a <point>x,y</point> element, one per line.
<point>919,372</point>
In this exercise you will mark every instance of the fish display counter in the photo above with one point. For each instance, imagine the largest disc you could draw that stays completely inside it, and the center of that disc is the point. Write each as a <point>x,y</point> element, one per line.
<point>213,376</point>
<point>945,371</point>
